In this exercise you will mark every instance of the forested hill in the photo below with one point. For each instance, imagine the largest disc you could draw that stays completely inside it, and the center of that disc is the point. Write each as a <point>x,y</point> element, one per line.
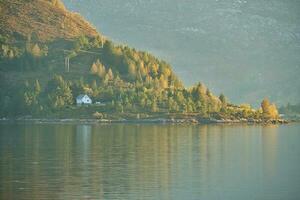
<point>49,56</point>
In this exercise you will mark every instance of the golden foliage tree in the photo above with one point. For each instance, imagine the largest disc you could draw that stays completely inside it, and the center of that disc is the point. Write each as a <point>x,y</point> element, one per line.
<point>36,51</point>
<point>269,110</point>
<point>110,74</point>
<point>94,69</point>
<point>98,69</point>
<point>163,82</point>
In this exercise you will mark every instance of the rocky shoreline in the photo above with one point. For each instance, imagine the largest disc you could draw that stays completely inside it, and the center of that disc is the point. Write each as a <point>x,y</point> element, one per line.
<point>144,121</point>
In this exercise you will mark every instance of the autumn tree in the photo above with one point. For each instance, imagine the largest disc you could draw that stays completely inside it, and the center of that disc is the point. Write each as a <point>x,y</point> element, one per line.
<point>199,92</point>
<point>59,92</point>
<point>36,51</point>
<point>163,82</point>
<point>269,110</point>
<point>98,69</point>
<point>32,96</point>
<point>110,74</point>
<point>94,69</point>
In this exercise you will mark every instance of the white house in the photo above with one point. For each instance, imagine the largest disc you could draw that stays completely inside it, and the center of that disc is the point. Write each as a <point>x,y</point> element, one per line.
<point>83,99</point>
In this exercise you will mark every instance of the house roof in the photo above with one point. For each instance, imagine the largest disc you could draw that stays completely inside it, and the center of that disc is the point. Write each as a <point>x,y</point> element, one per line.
<point>81,96</point>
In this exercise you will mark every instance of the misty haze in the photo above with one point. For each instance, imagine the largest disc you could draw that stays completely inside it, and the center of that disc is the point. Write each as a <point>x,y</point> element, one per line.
<point>248,49</point>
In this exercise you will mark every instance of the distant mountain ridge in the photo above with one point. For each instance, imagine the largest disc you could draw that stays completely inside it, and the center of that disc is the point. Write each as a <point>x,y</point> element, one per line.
<point>47,19</point>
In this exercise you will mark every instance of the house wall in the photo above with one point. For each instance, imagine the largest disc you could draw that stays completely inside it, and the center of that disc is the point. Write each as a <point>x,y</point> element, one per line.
<point>84,100</point>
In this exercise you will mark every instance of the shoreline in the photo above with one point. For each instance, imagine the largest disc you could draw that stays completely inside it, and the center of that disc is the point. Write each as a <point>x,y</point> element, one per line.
<point>146,121</point>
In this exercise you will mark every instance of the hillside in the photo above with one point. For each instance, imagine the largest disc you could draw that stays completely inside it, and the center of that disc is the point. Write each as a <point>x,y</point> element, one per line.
<point>47,19</point>
<point>49,56</point>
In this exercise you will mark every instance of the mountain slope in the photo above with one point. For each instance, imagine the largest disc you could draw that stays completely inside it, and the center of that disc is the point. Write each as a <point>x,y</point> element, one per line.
<point>48,20</point>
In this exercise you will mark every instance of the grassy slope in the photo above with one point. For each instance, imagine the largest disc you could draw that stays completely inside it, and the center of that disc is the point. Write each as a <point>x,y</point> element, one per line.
<point>46,20</point>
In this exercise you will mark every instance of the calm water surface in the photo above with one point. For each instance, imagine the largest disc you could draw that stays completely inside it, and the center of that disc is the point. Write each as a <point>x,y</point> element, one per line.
<point>149,162</point>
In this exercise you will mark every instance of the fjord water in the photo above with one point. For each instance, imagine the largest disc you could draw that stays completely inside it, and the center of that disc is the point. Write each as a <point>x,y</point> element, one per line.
<point>126,161</point>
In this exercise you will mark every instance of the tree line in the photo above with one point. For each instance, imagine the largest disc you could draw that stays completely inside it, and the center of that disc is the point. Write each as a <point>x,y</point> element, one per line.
<point>120,96</point>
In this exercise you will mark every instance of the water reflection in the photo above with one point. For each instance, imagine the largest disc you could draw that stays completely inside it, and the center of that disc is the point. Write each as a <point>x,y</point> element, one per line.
<point>270,145</point>
<point>138,162</point>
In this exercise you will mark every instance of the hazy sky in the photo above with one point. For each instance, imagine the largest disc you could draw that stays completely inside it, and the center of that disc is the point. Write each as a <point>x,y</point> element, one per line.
<point>248,49</point>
